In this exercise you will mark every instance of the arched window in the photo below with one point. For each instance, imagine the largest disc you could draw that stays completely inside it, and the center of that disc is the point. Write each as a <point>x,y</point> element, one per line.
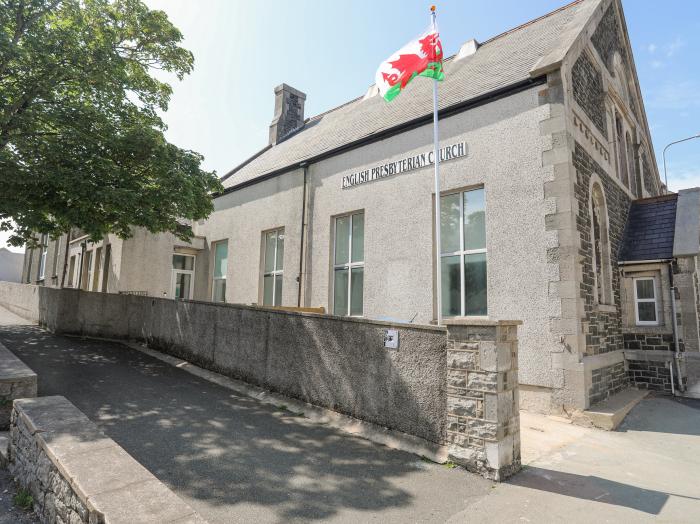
<point>601,246</point>
<point>630,163</point>
<point>621,156</point>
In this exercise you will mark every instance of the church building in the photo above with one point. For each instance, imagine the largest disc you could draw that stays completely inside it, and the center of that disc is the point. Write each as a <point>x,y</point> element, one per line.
<point>550,197</point>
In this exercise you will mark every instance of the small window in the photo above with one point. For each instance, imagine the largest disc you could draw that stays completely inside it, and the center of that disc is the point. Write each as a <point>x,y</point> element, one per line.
<point>42,258</point>
<point>272,268</point>
<point>183,276</point>
<point>463,254</point>
<point>220,270</point>
<point>349,265</point>
<point>71,271</point>
<point>645,305</point>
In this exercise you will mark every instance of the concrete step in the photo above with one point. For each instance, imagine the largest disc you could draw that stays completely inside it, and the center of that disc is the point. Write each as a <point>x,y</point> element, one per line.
<point>4,444</point>
<point>610,413</point>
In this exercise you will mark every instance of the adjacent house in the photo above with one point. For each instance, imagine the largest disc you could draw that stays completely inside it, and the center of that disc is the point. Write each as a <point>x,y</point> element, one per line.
<point>10,265</point>
<point>548,180</point>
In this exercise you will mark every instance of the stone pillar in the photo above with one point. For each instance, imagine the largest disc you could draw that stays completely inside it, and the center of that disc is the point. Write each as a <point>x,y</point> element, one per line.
<point>483,422</point>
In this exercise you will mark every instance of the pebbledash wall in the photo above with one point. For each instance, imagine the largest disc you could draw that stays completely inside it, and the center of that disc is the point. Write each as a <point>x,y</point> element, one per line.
<point>333,362</point>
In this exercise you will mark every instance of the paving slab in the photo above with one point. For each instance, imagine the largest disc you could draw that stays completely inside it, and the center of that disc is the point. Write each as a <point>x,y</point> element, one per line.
<point>610,413</point>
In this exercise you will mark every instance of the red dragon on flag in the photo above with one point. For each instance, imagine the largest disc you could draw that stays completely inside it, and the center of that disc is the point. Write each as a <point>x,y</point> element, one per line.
<point>422,56</point>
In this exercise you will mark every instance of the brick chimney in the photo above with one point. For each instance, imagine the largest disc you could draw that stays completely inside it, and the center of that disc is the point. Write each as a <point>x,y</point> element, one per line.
<point>289,112</point>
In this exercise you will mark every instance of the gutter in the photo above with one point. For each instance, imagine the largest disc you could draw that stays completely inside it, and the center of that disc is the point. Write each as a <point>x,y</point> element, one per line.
<point>455,109</point>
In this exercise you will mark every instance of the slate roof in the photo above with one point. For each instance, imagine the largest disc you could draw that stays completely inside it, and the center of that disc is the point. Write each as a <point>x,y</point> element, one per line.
<point>502,61</point>
<point>650,229</point>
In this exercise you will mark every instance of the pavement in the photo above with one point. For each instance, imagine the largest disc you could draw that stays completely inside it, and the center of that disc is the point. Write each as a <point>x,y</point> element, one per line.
<point>9,513</point>
<point>235,459</point>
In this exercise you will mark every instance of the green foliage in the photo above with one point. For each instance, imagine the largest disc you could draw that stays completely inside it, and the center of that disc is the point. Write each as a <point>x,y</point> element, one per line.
<point>24,500</point>
<point>81,140</point>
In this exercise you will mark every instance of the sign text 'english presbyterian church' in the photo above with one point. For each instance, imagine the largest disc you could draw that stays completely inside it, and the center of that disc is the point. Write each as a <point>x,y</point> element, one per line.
<point>403,165</point>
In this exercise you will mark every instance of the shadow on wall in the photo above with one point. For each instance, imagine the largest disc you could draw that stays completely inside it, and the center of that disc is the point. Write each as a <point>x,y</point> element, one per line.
<point>594,488</point>
<point>337,363</point>
<point>208,443</point>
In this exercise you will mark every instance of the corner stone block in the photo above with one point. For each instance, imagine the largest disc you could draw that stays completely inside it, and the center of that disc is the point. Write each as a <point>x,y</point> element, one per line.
<point>483,432</point>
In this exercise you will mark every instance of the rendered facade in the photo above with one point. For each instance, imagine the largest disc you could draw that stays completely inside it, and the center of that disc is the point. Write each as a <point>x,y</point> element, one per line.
<point>545,147</point>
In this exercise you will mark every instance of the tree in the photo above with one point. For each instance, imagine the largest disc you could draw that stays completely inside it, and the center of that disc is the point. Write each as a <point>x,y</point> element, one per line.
<point>81,140</point>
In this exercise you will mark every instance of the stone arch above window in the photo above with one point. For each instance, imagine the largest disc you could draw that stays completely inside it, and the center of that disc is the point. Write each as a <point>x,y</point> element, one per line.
<point>600,243</point>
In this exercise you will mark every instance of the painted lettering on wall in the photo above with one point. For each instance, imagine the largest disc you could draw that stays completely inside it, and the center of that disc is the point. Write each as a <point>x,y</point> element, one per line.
<point>403,165</point>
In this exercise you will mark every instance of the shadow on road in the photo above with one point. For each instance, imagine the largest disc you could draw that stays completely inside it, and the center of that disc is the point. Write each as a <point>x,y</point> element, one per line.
<point>210,444</point>
<point>593,488</point>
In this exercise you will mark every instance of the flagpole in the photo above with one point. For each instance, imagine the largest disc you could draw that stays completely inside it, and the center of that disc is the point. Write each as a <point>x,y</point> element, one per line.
<point>436,140</point>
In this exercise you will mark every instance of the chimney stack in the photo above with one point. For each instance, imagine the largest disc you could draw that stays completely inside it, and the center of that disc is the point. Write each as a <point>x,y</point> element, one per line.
<point>289,112</point>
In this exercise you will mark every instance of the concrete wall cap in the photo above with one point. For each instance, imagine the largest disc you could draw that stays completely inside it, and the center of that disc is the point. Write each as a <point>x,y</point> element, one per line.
<point>468,321</point>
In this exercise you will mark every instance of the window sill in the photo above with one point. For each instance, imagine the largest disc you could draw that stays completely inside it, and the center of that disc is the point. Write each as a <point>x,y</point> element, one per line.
<point>607,308</point>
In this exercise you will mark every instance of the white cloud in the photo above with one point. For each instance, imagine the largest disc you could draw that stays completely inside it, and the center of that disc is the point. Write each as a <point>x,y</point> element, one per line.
<point>677,96</point>
<point>674,46</point>
<point>651,48</point>
<point>656,64</point>
<point>4,235</point>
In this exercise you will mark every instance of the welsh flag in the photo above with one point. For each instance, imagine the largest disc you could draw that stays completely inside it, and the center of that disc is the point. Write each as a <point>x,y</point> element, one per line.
<point>420,57</point>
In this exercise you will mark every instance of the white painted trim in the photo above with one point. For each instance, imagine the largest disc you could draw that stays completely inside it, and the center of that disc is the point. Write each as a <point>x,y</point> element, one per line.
<point>655,300</point>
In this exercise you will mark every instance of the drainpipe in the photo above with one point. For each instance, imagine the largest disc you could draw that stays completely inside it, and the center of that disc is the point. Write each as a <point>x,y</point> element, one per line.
<point>676,355</point>
<point>65,258</point>
<point>83,245</point>
<point>300,277</point>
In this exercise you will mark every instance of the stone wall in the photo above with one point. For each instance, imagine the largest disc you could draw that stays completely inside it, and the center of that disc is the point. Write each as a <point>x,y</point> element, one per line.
<point>601,325</point>
<point>650,374</point>
<point>76,474</point>
<point>337,363</point>
<point>54,498</point>
<point>607,381</point>
<point>16,381</point>
<point>588,91</point>
<point>483,431</point>
<point>651,341</point>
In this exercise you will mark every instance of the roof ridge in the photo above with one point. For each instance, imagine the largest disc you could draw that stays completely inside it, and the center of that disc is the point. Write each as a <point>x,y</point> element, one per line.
<point>451,57</point>
<point>530,22</point>
<point>658,198</point>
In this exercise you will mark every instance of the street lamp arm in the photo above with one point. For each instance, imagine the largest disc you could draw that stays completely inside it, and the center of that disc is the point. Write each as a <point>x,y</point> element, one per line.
<point>664,155</point>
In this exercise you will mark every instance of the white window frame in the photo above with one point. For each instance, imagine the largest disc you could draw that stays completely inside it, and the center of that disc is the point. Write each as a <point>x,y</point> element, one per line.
<point>638,300</point>
<point>214,279</point>
<point>42,256</point>
<point>173,276</point>
<point>463,252</point>
<point>275,272</point>
<point>349,265</point>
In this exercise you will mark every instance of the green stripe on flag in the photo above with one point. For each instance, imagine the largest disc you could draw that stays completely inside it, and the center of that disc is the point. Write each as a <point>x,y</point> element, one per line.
<point>434,71</point>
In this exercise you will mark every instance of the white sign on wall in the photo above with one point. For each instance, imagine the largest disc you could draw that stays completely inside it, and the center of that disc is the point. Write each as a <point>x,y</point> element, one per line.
<point>391,338</point>
<point>403,165</point>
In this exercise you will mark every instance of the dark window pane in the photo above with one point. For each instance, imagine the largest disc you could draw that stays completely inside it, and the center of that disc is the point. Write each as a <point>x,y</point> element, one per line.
<point>220,259</point>
<point>451,296</point>
<point>182,285</point>
<point>356,286</point>
<point>342,240</point>
<point>474,220</point>
<point>449,223</point>
<point>270,241</point>
<point>278,290</point>
<point>475,284</point>
<point>647,311</point>
<point>267,290</point>
<point>358,237</point>
<point>183,262</point>
<point>340,292</point>
<point>645,288</point>
<point>280,251</point>
<point>219,294</point>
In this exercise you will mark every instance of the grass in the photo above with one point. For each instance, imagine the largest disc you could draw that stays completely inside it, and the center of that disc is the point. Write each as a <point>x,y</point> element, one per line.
<point>450,465</point>
<point>24,500</point>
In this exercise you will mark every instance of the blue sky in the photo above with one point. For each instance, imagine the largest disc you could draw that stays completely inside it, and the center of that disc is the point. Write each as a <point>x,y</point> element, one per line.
<point>330,50</point>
